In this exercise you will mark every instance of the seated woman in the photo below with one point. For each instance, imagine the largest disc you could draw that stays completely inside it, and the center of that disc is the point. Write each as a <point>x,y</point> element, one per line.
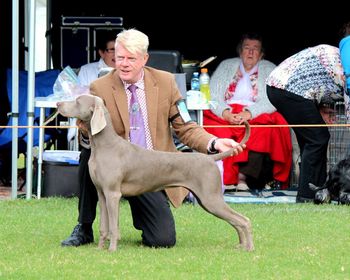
<point>238,93</point>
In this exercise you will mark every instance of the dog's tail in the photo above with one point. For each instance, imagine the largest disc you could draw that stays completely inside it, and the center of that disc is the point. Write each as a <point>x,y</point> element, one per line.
<point>230,152</point>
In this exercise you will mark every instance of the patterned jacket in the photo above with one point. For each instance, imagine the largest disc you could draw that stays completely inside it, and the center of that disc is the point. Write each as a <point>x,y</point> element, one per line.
<point>313,73</point>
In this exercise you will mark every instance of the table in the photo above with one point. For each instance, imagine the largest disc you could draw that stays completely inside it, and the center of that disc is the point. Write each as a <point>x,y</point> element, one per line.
<point>42,103</point>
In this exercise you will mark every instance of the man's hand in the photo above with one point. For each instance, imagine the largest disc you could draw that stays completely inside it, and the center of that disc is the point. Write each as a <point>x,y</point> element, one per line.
<point>82,128</point>
<point>224,144</point>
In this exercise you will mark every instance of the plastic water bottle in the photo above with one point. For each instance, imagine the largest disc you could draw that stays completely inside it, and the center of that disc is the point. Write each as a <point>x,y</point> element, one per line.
<point>195,81</point>
<point>204,80</point>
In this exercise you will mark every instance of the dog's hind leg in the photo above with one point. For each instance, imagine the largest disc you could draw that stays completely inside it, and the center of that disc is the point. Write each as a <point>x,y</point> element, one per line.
<point>112,202</point>
<point>216,205</point>
<point>103,219</point>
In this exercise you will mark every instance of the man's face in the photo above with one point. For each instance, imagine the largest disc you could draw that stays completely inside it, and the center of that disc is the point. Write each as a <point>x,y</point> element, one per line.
<point>108,55</point>
<point>129,65</point>
<point>328,114</point>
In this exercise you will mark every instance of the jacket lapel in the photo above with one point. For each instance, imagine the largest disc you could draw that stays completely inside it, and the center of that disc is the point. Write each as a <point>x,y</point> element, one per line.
<point>120,99</point>
<point>152,92</point>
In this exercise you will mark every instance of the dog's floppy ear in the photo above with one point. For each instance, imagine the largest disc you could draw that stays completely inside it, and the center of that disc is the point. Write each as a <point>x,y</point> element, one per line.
<point>98,121</point>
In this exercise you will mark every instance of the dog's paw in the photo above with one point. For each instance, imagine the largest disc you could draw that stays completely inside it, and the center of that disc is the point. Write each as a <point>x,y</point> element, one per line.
<point>322,196</point>
<point>344,198</point>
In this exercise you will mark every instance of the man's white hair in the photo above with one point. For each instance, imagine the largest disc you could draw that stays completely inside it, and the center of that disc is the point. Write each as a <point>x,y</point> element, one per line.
<point>133,40</point>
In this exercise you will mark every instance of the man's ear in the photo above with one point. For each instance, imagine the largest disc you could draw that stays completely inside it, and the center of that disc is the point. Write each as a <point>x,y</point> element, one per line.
<point>145,58</point>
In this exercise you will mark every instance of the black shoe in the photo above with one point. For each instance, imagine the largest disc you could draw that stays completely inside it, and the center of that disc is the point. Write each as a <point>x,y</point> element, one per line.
<point>300,199</point>
<point>79,236</point>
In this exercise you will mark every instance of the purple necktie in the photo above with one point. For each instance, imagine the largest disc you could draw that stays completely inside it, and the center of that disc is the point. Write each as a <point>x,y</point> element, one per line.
<point>137,127</point>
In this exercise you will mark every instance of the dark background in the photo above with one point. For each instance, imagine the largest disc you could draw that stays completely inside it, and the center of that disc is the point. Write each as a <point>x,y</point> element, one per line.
<point>205,30</point>
<point>196,29</point>
<point>214,29</point>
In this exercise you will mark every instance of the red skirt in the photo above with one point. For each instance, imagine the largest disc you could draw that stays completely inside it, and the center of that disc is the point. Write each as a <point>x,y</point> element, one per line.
<point>275,141</point>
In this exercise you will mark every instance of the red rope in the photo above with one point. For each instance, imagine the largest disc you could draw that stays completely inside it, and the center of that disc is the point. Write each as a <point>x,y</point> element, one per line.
<point>252,125</point>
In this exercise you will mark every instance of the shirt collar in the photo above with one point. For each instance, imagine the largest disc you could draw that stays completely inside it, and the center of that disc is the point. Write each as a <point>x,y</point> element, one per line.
<point>102,64</point>
<point>140,83</point>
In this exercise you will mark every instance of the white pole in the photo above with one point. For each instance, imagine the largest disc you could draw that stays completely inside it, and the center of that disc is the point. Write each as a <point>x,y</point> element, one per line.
<point>48,33</point>
<point>31,95</point>
<point>14,109</point>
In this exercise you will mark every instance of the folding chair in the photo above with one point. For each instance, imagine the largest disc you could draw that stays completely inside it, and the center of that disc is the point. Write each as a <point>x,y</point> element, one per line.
<point>167,60</point>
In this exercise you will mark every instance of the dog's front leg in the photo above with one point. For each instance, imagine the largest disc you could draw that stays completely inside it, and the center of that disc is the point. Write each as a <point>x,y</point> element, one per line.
<point>113,200</point>
<point>104,223</point>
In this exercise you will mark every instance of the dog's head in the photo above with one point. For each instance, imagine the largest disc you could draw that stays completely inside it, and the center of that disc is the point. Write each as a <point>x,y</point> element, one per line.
<point>87,108</point>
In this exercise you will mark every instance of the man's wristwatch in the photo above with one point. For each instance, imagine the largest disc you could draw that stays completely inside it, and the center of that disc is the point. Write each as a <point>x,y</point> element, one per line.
<point>212,149</point>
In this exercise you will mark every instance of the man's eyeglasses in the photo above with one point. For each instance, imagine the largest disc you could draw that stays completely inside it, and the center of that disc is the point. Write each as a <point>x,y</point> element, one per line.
<point>111,50</point>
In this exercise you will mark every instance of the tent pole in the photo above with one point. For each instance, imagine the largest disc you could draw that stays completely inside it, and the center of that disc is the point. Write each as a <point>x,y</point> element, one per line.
<point>14,109</point>
<point>31,95</point>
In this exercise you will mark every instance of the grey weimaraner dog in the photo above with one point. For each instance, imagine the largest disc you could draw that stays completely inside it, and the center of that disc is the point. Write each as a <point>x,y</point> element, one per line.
<point>116,178</point>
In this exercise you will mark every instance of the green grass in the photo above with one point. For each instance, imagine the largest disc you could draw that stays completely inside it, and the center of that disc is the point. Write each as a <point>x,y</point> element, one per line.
<point>292,241</point>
